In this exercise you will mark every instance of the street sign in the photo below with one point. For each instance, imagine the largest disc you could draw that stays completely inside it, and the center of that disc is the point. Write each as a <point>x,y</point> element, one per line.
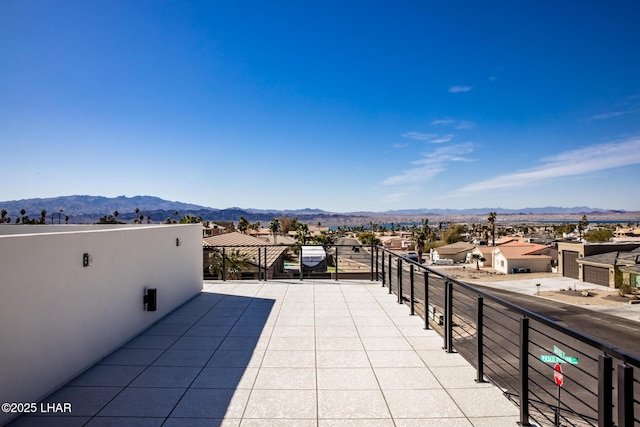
<point>551,359</point>
<point>557,375</point>
<point>560,353</point>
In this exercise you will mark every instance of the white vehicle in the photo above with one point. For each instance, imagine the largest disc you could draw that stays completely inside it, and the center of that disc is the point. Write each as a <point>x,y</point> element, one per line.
<point>314,258</point>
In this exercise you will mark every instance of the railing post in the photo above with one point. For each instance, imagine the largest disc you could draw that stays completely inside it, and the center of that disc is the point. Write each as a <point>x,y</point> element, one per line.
<point>448,316</point>
<point>301,274</point>
<point>377,267</point>
<point>524,371</point>
<point>625,396</point>
<point>399,280</point>
<point>259,263</point>
<point>372,263</point>
<point>384,278</point>
<point>224,264</point>
<point>411,294</point>
<point>336,263</point>
<point>605,386</point>
<point>479,341</point>
<point>426,299</point>
<point>390,282</point>
<point>266,265</point>
<point>445,311</point>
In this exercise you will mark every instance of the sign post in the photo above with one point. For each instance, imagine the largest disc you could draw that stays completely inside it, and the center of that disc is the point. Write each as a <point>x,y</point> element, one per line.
<point>558,358</point>
<point>559,380</point>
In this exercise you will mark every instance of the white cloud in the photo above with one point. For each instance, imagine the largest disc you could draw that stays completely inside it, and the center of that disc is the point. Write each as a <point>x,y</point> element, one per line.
<point>570,163</point>
<point>612,114</point>
<point>420,136</point>
<point>458,89</point>
<point>459,124</point>
<point>442,139</point>
<point>434,138</point>
<point>400,145</point>
<point>443,122</point>
<point>432,164</point>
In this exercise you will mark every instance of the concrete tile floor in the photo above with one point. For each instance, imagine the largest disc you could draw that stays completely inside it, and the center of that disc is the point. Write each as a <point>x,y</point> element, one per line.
<point>285,353</point>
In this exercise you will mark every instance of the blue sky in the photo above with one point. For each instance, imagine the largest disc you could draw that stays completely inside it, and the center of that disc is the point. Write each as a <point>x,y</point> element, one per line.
<point>342,106</point>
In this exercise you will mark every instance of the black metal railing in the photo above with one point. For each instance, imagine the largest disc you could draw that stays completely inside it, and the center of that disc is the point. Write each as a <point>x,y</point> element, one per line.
<point>512,347</point>
<point>517,349</point>
<point>283,261</point>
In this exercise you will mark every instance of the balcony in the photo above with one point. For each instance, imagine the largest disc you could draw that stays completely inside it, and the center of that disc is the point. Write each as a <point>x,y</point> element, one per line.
<point>312,352</point>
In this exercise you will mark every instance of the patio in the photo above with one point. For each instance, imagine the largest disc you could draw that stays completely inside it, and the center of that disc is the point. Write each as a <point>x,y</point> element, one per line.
<point>298,353</point>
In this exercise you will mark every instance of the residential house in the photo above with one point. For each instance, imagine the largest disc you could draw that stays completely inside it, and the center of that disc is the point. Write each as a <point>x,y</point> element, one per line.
<point>275,254</point>
<point>279,239</point>
<point>570,252</point>
<point>456,251</point>
<point>214,228</point>
<point>485,253</point>
<point>627,232</point>
<point>515,257</point>
<point>611,268</point>
<point>396,242</point>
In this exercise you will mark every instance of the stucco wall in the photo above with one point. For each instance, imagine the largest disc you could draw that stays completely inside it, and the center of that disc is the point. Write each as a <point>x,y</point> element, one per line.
<point>535,265</point>
<point>58,317</point>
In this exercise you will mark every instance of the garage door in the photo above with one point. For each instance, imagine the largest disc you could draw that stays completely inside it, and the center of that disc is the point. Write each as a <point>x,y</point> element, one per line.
<point>569,264</point>
<point>597,275</point>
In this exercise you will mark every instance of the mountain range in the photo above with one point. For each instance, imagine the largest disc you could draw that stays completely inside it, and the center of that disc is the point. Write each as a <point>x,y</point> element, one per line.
<point>88,209</point>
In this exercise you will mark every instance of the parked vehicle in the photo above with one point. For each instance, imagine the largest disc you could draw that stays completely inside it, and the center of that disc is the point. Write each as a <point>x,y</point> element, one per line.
<point>412,256</point>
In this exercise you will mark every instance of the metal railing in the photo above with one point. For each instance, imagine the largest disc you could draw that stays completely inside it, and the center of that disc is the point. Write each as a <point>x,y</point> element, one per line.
<point>517,349</point>
<point>512,347</point>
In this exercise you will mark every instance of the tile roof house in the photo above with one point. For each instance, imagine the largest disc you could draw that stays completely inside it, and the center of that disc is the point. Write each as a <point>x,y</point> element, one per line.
<point>275,254</point>
<point>516,257</point>
<point>627,231</point>
<point>456,251</point>
<point>484,252</point>
<point>396,242</point>
<point>215,228</point>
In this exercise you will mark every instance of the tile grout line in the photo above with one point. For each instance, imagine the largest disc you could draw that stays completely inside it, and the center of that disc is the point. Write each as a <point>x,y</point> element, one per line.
<point>244,410</point>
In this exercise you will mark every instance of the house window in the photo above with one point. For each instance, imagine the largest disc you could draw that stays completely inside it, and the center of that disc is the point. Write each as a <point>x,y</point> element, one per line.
<point>501,263</point>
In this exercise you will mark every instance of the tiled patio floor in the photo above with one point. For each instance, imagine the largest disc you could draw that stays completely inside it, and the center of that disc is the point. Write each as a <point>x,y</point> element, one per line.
<point>286,353</point>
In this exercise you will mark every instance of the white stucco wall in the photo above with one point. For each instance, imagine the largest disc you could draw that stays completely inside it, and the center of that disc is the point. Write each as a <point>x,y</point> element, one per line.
<point>535,265</point>
<point>58,318</point>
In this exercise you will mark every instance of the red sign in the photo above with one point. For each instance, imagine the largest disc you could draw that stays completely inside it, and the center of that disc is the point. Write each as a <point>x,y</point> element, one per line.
<point>557,375</point>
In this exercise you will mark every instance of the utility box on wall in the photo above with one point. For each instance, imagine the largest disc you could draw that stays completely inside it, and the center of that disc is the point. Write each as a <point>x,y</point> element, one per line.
<point>151,299</point>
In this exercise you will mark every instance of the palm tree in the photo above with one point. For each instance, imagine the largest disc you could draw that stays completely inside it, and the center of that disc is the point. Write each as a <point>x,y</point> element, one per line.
<point>302,233</point>
<point>243,224</point>
<point>3,216</point>
<point>492,222</point>
<point>235,261</point>
<point>274,227</point>
<point>420,236</point>
<point>582,225</point>
<point>43,216</point>
<point>477,258</point>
